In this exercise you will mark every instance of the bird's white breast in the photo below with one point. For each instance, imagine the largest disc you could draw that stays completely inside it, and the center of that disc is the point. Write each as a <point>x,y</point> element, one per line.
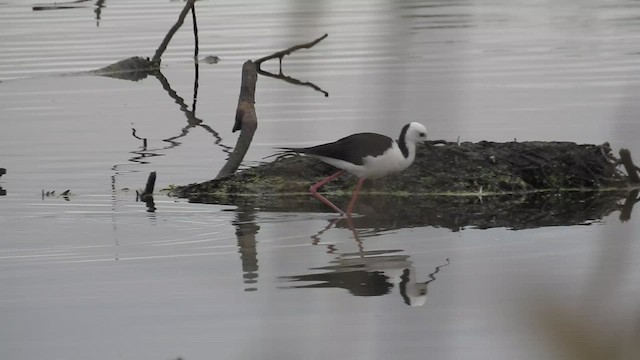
<point>391,161</point>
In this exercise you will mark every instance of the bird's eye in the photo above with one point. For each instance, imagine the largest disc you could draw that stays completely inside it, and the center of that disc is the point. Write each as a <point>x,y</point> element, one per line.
<point>422,134</point>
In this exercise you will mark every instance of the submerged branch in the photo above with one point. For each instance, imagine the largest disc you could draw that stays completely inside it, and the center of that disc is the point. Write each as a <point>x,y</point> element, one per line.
<point>137,68</point>
<point>134,69</point>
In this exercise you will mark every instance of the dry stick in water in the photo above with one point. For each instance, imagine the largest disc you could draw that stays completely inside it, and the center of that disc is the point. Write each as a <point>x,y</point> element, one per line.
<point>148,190</point>
<point>163,46</point>
<point>246,119</point>
<point>632,170</point>
<point>147,194</point>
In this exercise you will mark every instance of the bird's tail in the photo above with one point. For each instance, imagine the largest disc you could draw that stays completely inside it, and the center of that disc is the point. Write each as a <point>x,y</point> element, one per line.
<point>283,152</point>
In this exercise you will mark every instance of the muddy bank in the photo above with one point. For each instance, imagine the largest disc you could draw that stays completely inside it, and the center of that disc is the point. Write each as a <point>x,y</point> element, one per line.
<point>440,168</point>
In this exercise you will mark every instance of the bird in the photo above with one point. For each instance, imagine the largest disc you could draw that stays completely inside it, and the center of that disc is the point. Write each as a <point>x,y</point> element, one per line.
<point>365,155</point>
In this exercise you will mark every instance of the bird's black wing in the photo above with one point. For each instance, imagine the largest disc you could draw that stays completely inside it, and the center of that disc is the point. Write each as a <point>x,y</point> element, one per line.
<point>353,148</point>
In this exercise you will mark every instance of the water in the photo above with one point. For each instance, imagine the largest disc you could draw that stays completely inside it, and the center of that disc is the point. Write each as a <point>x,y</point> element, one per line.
<point>94,274</point>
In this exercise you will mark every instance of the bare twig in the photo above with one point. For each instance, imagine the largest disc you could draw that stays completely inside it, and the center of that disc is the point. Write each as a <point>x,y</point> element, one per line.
<point>195,59</point>
<point>283,53</point>
<point>195,31</point>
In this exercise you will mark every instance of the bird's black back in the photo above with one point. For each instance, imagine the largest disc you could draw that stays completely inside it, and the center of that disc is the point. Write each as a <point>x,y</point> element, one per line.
<point>353,148</point>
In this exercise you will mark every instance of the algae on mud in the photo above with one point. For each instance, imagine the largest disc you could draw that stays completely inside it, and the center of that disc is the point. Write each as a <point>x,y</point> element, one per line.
<point>439,168</point>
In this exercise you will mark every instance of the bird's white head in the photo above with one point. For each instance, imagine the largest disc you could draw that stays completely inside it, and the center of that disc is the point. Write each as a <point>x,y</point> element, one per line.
<point>414,133</point>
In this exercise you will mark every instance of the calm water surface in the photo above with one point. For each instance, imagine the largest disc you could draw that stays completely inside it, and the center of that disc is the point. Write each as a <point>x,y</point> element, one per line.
<point>95,275</point>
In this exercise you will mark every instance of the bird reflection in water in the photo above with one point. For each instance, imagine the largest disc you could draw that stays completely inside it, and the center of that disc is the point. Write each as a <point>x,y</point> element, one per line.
<point>367,273</point>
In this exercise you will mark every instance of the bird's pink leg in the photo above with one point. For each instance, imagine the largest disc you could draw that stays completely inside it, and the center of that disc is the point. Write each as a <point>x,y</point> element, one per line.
<point>354,197</point>
<point>314,191</point>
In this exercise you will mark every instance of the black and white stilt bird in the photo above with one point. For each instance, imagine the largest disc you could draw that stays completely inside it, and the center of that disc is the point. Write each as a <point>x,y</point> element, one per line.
<point>367,156</point>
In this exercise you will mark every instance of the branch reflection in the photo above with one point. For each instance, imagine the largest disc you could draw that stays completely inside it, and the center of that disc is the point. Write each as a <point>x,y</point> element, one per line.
<point>291,80</point>
<point>72,5</point>
<point>3,192</point>
<point>246,231</point>
<point>143,153</point>
<point>511,211</point>
<point>280,55</point>
<point>192,120</point>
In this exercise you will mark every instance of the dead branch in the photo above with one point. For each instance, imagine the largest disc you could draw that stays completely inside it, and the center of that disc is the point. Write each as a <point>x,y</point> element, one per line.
<point>163,46</point>
<point>246,119</point>
<point>151,183</point>
<point>283,53</point>
<point>245,112</point>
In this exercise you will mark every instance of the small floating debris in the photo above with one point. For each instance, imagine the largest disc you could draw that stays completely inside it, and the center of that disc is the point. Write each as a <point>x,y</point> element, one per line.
<point>65,194</point>
<point>211,59</point>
